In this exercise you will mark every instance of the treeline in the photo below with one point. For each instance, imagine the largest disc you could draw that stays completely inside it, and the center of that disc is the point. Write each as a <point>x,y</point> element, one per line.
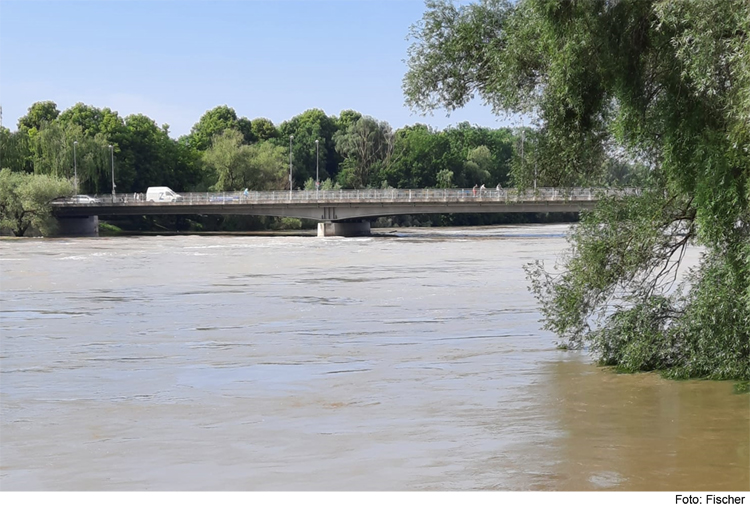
<point>225,152</point>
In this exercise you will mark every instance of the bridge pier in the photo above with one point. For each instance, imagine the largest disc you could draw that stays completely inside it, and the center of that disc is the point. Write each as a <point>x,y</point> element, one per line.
<point>77,226</point>
<point>344,229</point>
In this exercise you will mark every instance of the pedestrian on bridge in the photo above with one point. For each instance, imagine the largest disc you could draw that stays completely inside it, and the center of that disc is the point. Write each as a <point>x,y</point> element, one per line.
<point>474,190</point>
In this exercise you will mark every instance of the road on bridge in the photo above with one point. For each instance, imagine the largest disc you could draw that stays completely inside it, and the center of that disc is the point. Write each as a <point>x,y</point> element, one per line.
<point>340,205</point>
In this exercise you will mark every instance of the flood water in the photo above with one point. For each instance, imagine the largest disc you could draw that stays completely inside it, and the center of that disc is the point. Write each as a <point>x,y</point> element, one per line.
<point>413,361</point>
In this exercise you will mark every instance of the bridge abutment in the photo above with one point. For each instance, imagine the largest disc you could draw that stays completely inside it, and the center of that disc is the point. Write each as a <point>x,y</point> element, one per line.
<point>77,226</point>
<point>344,229</point>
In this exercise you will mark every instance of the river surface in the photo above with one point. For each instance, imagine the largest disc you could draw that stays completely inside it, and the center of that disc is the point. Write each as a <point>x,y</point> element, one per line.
<point>413,361</point>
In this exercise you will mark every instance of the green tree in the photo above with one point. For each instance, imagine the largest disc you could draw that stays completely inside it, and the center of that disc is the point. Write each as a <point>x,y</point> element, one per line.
<point>306,128</point>
<point>269,165</point>
<point>666,81</point>
<point>367,147</point>
<point>478,162</point>
<point>39,113</point>
<point>53,149</point>
<point>147,156</point>
<point>24,200</point>
<point>445,179</point>
<point>418,154</point>
<point>15,152</point>
<point>464,139</point>
<point>526,170</point>
<point>263,129</point>
<point>95,129</point>
<point>93,162</point>
<point>50,151</point>
<point>237,166</point>
<point>94,121</point>
<point>346,119</point>
<point>214,122</point>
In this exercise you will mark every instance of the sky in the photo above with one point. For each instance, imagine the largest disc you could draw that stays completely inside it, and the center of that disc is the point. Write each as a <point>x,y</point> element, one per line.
<point>174,60</point>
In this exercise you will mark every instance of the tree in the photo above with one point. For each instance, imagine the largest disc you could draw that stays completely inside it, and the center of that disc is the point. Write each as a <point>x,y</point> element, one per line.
<point>445,179</point>
<point>94,121</point>
<point>306,128</point>
<point>15,153</point>
<point>95,129</point>
<point>464,140</point>
<point>264,129</point>
<point>48,150</point>
<point>478,162</point>
<point>52,148</point>
<point>268,164</point>
<point>24,200</point>
<point>237,166</point>
<point>418,154</point>
<point>525,168</point>
<point>346,119</point>
<point>366,146</point>
<point>214,122</point>
<point>668,83</point>
<point>39,113</point>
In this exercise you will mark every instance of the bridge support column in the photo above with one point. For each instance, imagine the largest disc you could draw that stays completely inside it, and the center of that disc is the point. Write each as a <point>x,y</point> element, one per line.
<point>77,226</point>
<point>344,229</point>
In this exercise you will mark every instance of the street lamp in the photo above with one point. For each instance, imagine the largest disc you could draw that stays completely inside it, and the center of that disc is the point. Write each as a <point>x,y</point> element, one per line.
<point>112,155</point>
<point>75,166</point>
<point>317,162</point>
<point>290,164</point>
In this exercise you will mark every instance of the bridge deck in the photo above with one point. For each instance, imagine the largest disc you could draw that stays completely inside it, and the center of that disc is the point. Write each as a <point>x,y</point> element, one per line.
<point>343,204</point>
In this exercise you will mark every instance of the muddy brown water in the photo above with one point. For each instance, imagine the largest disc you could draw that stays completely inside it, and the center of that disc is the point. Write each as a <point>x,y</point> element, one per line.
<point>413,361</point>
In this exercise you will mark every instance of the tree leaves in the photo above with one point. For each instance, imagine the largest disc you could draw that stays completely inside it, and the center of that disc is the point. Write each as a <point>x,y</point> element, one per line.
<point>24,200</point>
<point>666,81</point>
<point>238,166</point>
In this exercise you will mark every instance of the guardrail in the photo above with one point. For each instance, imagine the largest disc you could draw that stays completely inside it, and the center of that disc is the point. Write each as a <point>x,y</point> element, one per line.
<point>469,195</point>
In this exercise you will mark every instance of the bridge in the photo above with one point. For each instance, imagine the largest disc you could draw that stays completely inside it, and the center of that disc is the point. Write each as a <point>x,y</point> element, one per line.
<point>339,212</point>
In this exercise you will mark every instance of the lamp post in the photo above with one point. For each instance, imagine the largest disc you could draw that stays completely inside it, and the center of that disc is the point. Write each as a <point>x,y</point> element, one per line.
<point>290,164</point>
<point>112,156</point>
<point>317,162</point>
<point>75,166</point>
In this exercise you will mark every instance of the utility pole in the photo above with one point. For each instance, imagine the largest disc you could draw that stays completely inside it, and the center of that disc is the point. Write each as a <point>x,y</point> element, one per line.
<point>112,155</point>
<point>317,162</point>
<point>290,164</point>
<point>75,166</point>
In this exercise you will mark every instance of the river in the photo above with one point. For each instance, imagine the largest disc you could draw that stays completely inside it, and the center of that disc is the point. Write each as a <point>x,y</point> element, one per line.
<point>410,361</point>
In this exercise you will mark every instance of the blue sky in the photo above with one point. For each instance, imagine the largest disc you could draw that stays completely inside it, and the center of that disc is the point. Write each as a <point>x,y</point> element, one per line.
<point>174,60</point>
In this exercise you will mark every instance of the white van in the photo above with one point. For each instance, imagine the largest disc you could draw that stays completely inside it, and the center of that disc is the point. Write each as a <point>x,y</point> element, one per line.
<point>161,194</point>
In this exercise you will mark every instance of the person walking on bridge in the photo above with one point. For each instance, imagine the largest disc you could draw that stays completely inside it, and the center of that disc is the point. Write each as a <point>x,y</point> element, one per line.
<point>474,190</point>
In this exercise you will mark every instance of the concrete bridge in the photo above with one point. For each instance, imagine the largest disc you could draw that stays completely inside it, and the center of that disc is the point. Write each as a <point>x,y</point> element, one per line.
<point>340,212</point>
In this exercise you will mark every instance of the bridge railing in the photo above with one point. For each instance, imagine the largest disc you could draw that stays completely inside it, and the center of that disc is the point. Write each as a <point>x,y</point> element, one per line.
<point>465,195</point>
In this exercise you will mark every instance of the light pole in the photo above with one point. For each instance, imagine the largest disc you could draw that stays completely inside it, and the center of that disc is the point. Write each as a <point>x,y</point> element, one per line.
<point>290,164</point>
<point>317,162</point>
<point>112,155</point>
<point>75,166</point>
